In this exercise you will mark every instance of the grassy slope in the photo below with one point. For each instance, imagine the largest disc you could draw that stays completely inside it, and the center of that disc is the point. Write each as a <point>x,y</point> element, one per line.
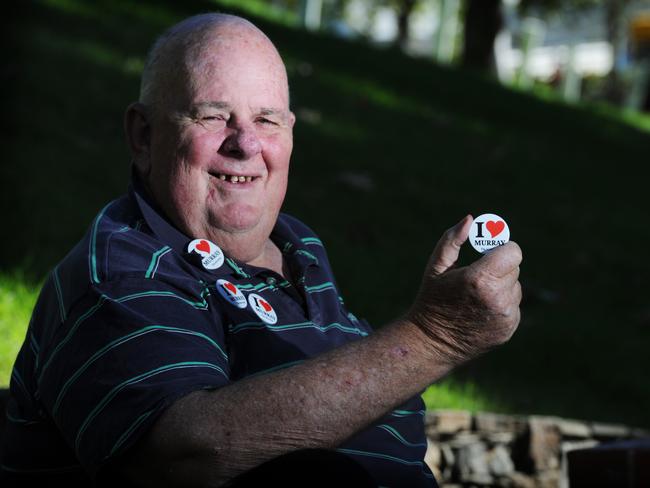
<point>436,144</point>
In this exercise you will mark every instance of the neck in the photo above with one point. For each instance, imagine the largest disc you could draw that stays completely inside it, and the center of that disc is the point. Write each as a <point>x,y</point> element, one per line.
<point>253,247</point>
<point>271,258</point>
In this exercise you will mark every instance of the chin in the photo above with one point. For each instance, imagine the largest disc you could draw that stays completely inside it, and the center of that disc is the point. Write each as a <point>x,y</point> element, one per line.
<point>241,218</point>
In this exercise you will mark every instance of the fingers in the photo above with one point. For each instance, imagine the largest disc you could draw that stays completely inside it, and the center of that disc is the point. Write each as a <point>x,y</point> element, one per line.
<point>514,294</point>
<point>511,278</point>
<point>518,293</point>
<point>446,252</point>
<point>514,312</point>
<point>500,261</point>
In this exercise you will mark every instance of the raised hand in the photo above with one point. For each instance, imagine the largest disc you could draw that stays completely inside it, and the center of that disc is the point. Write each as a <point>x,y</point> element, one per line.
<point>466,311</point>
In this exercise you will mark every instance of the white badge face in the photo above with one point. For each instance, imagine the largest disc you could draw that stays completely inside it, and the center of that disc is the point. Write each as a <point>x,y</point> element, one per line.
<point>231,293</point>
<point>211,254</point>
<point>487,232</point>
<point>262,308</point>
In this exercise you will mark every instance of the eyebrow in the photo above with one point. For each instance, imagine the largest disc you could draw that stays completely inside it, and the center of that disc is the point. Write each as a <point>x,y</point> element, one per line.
<point>271,111</point>
<point>226,106</point>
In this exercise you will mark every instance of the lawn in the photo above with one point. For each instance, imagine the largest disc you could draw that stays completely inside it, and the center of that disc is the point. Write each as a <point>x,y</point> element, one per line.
<point>389,152</point>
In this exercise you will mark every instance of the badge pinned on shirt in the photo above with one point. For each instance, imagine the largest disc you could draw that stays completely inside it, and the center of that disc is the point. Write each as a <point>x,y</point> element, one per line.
<point>231,293</point>
<point>211,254</point>
<point>487,232</point>
<point>262,309</point>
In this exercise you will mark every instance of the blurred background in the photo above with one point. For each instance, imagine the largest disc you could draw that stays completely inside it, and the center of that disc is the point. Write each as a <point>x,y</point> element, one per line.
<point>411,114</point>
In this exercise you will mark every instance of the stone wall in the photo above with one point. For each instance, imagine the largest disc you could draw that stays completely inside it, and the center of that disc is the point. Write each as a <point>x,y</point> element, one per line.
<point>487,449</point>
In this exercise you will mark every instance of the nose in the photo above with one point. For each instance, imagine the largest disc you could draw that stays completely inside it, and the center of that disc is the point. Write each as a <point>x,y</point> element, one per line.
<point>241,143</point>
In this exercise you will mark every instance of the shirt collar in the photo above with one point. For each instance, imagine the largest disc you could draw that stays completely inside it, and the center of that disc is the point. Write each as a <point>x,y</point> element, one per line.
<point>153,216</point>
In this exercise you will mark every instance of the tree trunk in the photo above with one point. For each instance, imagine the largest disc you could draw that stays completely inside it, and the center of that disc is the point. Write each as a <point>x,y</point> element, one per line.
<point>614,10</point>
<point>483,22</point>
<point>403,13</point>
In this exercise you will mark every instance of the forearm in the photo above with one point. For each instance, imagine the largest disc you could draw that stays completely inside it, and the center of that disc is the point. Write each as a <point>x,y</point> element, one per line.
<point>318,403</point>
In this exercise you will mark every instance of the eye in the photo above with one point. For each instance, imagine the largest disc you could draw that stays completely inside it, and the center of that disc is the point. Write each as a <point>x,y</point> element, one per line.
<point>264,120</point>
<point>212,121</point>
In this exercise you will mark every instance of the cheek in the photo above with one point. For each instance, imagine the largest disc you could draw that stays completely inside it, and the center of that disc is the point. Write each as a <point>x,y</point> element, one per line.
<point>198,150</point>
<point>277,152</point>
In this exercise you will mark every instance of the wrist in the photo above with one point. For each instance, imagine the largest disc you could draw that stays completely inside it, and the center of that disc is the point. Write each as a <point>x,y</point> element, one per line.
<point>441,335</point>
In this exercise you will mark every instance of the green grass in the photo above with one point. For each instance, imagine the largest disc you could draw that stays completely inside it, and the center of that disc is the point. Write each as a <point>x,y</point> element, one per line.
<point>17,298</point>
<point>262,9</point>
<point>465,395</point>
<point>436,143</point>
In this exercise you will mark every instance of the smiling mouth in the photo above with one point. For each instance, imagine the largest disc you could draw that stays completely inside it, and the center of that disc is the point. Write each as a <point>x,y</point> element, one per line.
<point>234,178</point>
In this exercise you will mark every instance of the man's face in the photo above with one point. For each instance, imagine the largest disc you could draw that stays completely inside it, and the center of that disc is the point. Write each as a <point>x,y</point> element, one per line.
<point>220,150</point>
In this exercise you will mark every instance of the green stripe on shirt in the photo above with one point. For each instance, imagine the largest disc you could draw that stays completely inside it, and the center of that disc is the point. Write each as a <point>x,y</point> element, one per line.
<point>312,241</point>
<point>136,379</point>
<point>201,305</point>
<point>406,413</point>
<point>300,325</point>
<point>399,437</point>
<point>380,456</point>
<point>322,287</point>
<point>59,293</point>
<point>155,261</point>
<point>127,433</point>
<point>119,342</point>
<point>92,254</point>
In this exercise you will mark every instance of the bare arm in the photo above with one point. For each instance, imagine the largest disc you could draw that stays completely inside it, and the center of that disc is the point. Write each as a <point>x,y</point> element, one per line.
<point>207,438</point>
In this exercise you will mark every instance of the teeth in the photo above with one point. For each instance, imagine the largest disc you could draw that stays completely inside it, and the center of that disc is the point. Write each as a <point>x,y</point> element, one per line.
<point>235,178</point>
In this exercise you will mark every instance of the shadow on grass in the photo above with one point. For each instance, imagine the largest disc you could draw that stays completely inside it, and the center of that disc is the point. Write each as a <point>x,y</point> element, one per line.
<point>389,151</point>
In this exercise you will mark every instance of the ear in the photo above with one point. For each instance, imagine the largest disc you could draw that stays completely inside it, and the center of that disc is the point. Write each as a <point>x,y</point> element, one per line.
<point>137,128</point>
<point>292,119</point>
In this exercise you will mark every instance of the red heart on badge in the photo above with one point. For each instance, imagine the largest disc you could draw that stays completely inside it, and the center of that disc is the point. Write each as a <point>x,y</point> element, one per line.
<point>495,228</point>
<point>203,246</point>
<point>231,288</point>
<point>266,306</point>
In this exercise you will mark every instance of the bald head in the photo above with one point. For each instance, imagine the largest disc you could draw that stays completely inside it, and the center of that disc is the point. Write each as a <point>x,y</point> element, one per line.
<point>189,49</point>
<point>212,134</point>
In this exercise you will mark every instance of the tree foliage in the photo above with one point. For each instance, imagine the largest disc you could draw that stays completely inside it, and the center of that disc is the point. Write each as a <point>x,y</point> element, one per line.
<point>557,5</point>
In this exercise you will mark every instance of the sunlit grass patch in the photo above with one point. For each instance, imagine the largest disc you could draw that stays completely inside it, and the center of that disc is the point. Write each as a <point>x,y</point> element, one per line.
<point>17,298</point>
<point>452,394</point>
<point>263,9</point>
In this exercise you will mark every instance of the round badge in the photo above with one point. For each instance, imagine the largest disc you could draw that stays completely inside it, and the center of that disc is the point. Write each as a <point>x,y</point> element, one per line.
<point>262,308</point>
<point>211,254</point>
<point>487,232</point>
<point>231,293</point>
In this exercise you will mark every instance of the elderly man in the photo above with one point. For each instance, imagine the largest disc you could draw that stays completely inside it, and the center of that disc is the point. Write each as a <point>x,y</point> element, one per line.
<point>196,333</point>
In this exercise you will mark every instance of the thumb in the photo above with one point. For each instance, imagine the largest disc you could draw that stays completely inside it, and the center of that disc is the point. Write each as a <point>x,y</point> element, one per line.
<point>501,260</point>
<point>446,252</point>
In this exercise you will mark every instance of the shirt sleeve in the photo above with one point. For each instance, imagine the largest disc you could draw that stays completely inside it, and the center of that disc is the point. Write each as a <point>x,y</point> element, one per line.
<point>127,350</point>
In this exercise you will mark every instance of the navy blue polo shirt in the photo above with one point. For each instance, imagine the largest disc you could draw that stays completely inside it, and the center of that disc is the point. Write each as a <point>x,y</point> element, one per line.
<point>130,321</point>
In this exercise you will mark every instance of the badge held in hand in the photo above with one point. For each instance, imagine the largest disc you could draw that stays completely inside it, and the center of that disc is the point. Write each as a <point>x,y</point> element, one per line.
<point>487,232</point>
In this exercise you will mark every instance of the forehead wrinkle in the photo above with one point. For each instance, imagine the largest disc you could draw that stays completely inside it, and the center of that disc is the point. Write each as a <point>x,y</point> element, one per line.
<point>277,112</point>
<point>227,106</point>
<point>212,104</point>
